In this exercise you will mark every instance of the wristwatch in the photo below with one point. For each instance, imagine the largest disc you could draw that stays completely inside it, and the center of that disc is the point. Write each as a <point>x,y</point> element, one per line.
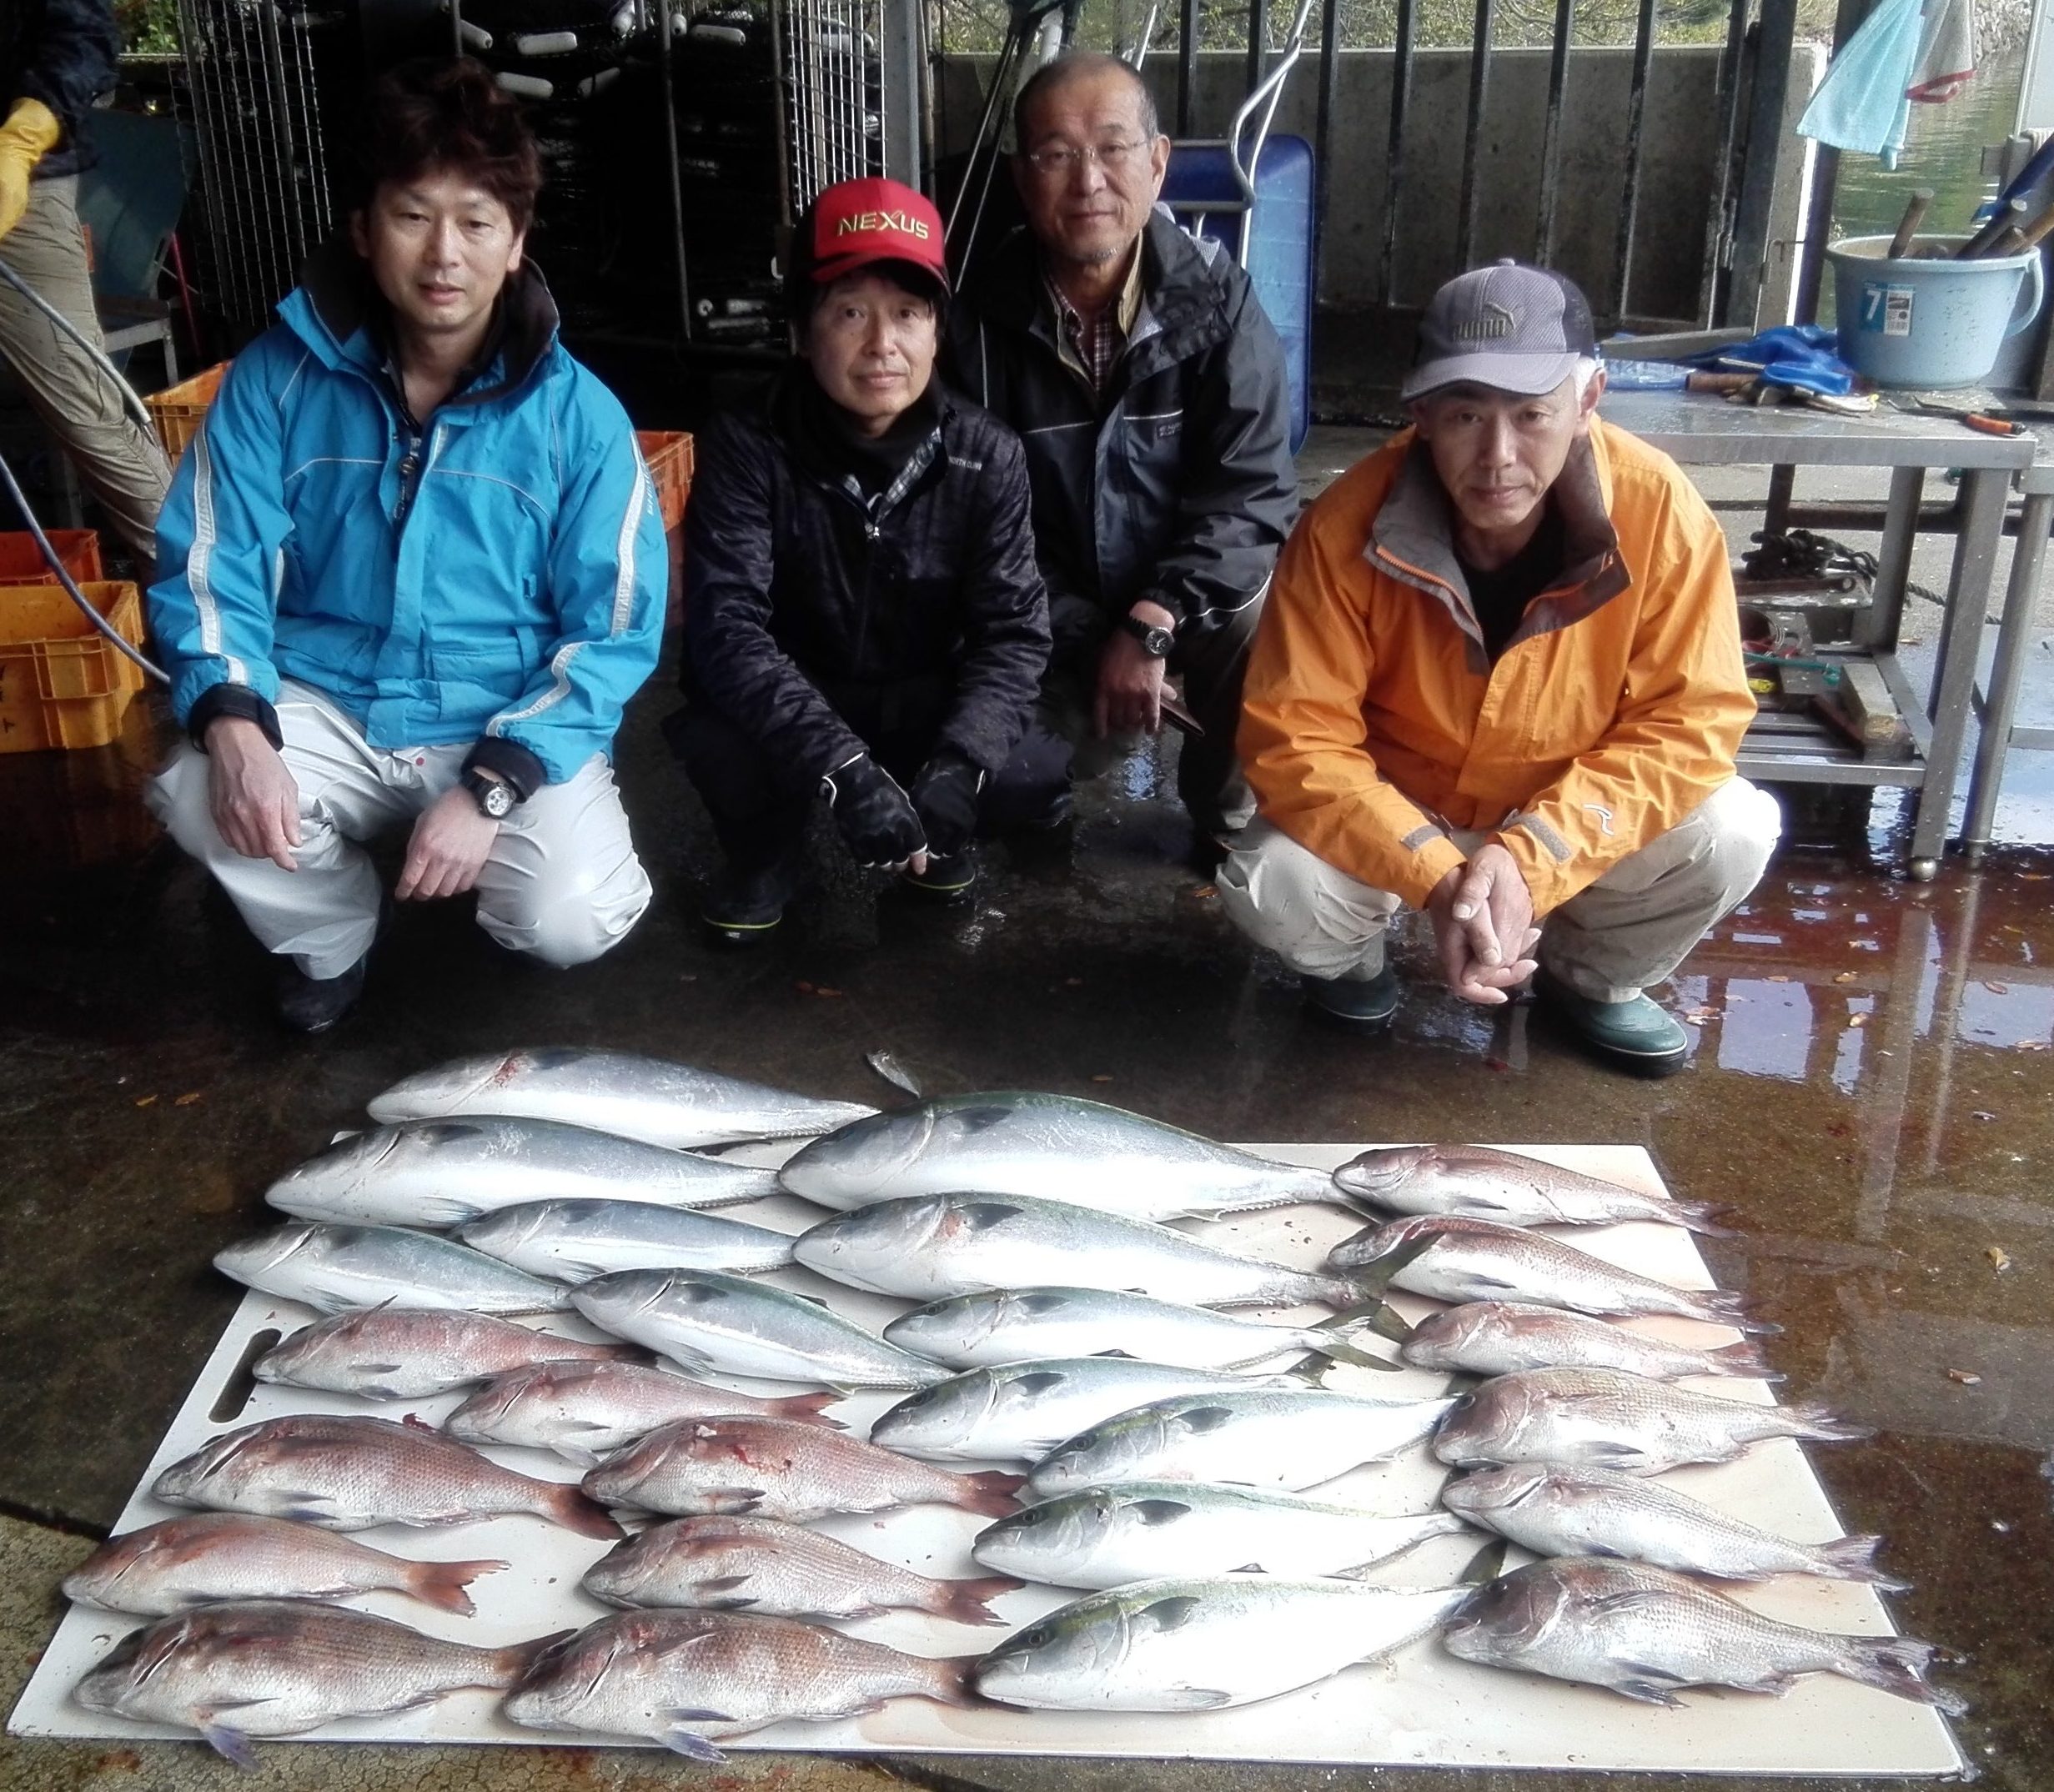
<point>1155,642</point>
<point>496,797</point>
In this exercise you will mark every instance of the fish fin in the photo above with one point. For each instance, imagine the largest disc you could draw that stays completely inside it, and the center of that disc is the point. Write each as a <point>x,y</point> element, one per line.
<point>1724,1308</point>
<point>414,1421</point>
<point>694,1748</point>
<point>1818,1421</point>
<point>1854,1558</point>
<point>1202,1419</point>
<point>981,1216</point>
<point>577,1453</point>
<point>806,1406</point>
<point>734,1502</point>
<point>1192,1699</point>
<point>1628,1601</point>
<point>1697,1216</point>
<point>442,1584</point>
<point>510,1664</point>
<point>1039,1381</point>
<point>726,1583</point>
<point>379,1369</point>
<point>1153,1512</point>
<point>1744,1358</point>
<point>990,1492</point>
<point>1372,1283</point>
<point>963,1601</point>
<point>568,1504</point>
<point>1338,1351</point>
<point>692,1361</point>
<point>1651,1686</point>
<point>1486,1565</point>
<point>310,1507</point>
<point>1253,1568</point>
<point>1311,1373</point>
<point>1171,1613</point>
<point>1897,1664</point>
<point>231,1743</point>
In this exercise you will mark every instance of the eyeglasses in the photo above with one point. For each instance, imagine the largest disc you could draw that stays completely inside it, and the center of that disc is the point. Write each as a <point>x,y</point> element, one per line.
<point>1059,158</point>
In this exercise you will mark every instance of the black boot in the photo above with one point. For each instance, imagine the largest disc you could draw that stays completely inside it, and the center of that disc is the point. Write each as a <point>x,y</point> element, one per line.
<point>312,1005</point>
<point>946,880</point>
<point>747,901</point>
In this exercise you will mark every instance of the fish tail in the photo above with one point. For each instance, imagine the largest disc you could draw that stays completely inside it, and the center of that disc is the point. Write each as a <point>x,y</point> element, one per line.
<point>442,1584</point>
<point>1807,1418</point>
<point>509,1666</point>
<point>1744,1358</point>
<point>808,1406</point>
<point>962,1601</point>
<point>949,1681</point>
<point>1854,1558</point>
<point>566,1504</point>
<point>1703,1217</point>
<point>1724,1307</point>
<point>1897,1664</point>
<point>990,1492</point>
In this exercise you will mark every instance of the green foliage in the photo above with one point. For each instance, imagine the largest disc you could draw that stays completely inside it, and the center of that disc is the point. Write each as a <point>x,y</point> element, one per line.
<point>149,28</point>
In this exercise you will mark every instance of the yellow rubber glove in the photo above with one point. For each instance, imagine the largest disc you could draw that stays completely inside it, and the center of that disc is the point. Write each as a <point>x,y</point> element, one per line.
<point>30,134</point>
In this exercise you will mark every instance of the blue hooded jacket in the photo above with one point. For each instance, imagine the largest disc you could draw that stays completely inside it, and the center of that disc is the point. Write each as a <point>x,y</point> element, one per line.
<point>503,576</point>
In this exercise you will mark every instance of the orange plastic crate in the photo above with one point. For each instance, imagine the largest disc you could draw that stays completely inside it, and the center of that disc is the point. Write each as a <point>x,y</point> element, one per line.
<point>669,454</point>
<point>22,561</point>
<point>61,684</point>
<point>178,410</point>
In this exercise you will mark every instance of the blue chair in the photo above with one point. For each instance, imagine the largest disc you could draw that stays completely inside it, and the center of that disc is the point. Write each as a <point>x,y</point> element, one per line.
<point>131,200</point>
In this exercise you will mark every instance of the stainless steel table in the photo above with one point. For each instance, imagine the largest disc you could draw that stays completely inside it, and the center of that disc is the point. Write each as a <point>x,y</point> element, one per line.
<point>1996,736</point>
<point>1699,430</point>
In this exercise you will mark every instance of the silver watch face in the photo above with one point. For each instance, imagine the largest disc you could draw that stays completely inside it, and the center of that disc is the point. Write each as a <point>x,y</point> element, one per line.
<point>496,799</point>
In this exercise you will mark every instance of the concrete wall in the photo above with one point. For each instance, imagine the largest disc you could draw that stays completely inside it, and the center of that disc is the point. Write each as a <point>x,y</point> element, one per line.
<point>1677,177</point>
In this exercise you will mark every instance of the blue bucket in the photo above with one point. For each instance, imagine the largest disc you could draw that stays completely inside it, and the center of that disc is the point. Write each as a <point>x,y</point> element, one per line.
<point>1929,325</point>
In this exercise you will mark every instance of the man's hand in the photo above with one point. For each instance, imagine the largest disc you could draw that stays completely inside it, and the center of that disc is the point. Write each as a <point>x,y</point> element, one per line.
<point>250,794</point>
<point>945,797</point>
<point>451,841</point>
<point>1483,917</point>
<point>1129,698</point>
<point>876,818</point>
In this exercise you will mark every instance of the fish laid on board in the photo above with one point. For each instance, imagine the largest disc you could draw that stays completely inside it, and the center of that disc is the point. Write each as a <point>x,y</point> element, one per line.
<point>1256,1437</point>
<point>783,1570</point>
<point>1479,1260</point>
<point>442,1172</point>
<point>414,1352</point>
<point>1020,1412</point>
<point>998,1326</point>
<point>330,1268</point>
<point>675,1105</point>
<point>1565,1512</point>
<point>253,1667</point>
<point>179,1563</point>
<point>1144,1530</point>
<point>1606,1418</point>
<point>1204,1643</point>
<point>349,1473</point>
<point>777,1469</point>
<point>1012,1143</point>
<point>682,1678</point>
<point>1475,1181</point>
<point>1501,1338</point>
<point>574,1240</point>
<point>712,1324</point>
<point>1648,1634</point>
<point>584,1410</point>
<point>930,1247</point>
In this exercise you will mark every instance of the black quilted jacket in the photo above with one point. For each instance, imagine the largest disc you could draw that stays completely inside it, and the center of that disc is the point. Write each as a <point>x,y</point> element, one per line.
<point>63,52</point>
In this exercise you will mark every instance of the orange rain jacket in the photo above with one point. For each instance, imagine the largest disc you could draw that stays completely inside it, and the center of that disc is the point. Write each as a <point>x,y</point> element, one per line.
<point>1374,723</point>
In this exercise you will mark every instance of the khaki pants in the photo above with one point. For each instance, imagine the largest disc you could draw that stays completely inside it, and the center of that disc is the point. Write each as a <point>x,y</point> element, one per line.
<point>1628,930</point>
<point>563,883</point>
<point>121,463</point>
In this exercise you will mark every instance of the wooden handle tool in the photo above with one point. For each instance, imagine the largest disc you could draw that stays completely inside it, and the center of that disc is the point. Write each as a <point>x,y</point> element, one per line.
<point>1907,227</point>
<point>2007,216</point>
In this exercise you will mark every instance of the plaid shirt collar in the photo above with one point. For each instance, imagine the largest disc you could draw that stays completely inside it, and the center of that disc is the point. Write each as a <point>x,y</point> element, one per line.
<point>1094,348</point>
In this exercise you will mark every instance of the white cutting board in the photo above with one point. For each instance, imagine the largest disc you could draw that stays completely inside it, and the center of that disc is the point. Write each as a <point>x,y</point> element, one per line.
<point>1421,1707</point>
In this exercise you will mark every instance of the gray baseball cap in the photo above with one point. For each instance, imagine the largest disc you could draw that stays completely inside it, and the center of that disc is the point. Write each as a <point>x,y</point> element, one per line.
<point>1508,326</point>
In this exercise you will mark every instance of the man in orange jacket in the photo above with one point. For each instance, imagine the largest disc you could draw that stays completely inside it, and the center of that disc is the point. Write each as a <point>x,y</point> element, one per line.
<point>1498,680</point>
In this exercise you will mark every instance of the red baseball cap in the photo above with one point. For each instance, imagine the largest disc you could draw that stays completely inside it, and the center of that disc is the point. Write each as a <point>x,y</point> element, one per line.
<point>857,222</point>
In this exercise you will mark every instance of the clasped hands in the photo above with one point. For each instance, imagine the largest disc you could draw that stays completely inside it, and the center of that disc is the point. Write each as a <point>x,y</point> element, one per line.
<point>1482,915</point>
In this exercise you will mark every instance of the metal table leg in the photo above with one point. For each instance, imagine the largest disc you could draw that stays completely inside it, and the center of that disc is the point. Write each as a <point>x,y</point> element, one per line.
<point>1984,491</point>
<point>1877,626</point>
<point>2007,671</point>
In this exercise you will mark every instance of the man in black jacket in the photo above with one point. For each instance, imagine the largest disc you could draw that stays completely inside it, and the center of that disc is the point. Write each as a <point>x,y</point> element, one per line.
<point>863,617</point>
<point>56,57</point>
<point>1150,392</point>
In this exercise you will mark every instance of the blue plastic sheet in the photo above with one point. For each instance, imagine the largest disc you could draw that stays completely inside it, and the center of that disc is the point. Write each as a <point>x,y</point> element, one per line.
<point>1802,355</point>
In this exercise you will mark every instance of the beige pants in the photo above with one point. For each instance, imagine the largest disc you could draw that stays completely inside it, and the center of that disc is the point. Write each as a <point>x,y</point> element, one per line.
<point>119,461</point>
<point>562,884</point>
<point>1628,930</point>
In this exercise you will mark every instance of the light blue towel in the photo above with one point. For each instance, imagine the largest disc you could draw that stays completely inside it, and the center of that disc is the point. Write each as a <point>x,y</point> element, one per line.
<point>1861,104</point>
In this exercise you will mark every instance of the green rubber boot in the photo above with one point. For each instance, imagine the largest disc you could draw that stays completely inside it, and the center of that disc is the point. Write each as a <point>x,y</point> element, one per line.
<point>1637,1036</point>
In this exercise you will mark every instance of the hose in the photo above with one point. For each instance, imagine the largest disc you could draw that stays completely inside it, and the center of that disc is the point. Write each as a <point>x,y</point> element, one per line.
<point>137,412</point>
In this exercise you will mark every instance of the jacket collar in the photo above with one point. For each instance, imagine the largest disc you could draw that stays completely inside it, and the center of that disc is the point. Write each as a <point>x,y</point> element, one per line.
<point>1413,541</point>
<point>784,415</point>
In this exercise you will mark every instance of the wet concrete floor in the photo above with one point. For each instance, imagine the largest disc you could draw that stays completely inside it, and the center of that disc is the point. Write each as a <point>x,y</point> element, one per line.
<point>1870,1093</point>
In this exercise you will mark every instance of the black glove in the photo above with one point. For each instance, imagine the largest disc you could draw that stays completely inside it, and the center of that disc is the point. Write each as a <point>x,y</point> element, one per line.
<point>946,794</point>
<point>874,816</point>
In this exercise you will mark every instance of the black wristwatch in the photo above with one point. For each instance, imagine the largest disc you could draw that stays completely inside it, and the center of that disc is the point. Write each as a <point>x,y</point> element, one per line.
<point>1155,642</point>
<point>495,796</point>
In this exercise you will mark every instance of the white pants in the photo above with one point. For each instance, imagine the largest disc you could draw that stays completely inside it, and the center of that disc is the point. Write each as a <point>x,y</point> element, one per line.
<point>562,882</point>
<point>1630,929</point>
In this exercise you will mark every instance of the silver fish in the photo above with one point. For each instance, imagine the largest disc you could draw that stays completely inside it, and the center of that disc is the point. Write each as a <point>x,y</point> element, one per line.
<point>1012,1144</point>
<point>672,1105</point>
<point>1475,1181</point>
<point>350,1473</point>
<point>1501,1338</point>
<point>411,1353</point>
<point>782,1570</point>
<point>1647,1633</point>
<point>330,1268</point>
<point>167,1566</point>
<point>442,1172</point>
<point>679,1678</point>
<point>933,1246</point>
<point>1479,1260</point>
<point>584,1410</point>
<point>1143,1530</point>
<point>574,1240</point>
<point>252,1668</point>
<point>774,1468</point>
<point>1605,1418</point>
<point>709,1323</point>
<point>1204,1645</point>
<point>1022,1411</point>
<point>1564,1512</point>
<point>1256,1437</point>
<point>998,1326</point>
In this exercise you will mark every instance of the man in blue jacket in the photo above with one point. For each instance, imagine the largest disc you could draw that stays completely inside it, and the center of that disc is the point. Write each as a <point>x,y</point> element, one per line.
<point>413,570</point>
